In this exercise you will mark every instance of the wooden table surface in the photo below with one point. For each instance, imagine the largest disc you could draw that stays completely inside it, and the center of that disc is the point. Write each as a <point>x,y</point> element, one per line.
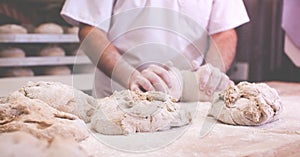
<point>279,138</point>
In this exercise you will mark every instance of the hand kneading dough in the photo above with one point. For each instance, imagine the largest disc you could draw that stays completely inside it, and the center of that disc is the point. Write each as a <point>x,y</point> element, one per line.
<point>52,51</point>
<point>128,112</point>
<point>12,29</point>
<point>21,113</point>
<point>18,72</point>
<point>57,70</point>
<point>22,144</point>
<point>62,97</point>
<point>247,104</point>
<point>12,53</point>
<point>49,28</point>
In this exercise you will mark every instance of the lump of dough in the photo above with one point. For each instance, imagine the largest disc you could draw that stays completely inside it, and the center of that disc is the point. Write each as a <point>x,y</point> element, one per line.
<point>18,72</point>
<point>73,30</point>
<point>21,113</point>
<point>20,144</point>
<point>12,29</point>
<point>128,112</point>
<point>57,70</point>
<point>49,28</point>
<point>12,53</point>
<point>62,97</point>
<point>247,104</point>
<point>52,51</point>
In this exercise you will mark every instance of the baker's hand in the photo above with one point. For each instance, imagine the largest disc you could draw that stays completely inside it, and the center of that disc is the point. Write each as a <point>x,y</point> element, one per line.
<point>211,79</point>
<point>157,78</point>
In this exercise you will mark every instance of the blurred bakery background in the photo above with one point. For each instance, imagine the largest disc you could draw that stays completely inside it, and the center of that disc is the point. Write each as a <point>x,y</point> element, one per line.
<point>37,44</point>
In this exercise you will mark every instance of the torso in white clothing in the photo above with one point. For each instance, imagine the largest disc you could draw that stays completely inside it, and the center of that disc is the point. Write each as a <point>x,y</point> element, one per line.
<point>157,30</point>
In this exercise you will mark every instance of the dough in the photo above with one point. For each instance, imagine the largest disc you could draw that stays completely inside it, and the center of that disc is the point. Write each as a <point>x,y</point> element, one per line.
<point>73,30</point>
<point>62,97</point>
<point>247,104</point>
<point>22,144</point>
<point>18,72</point>
<point>128,112</point>
<point>57,70</point>
<point>12,29</point>
<point>12,53</point>
<point>49,28</point>
<point>52,51</point>
<point>21,113</point>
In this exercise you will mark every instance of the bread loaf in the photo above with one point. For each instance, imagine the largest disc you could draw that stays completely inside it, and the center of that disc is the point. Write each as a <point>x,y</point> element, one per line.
<point>49,28</point>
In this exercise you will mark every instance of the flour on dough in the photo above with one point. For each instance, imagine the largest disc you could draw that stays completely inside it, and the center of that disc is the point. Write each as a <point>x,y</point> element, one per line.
<point>247,104</point>
<point>49,28</point>
<point>128,112</point>
<point>22,144</point>
<point>12,29</point>
<point>52,51</point>
<point>62,97</point>
<point>21,113</point>
<point>12,52</point>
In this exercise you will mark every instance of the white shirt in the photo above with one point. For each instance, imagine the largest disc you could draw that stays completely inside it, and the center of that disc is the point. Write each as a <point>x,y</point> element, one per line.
<point>156,30</point>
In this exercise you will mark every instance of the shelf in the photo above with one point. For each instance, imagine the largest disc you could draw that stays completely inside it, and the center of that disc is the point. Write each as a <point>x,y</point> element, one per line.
<point>39,38</point>
<point>42,61</point>
<point>79,81</point>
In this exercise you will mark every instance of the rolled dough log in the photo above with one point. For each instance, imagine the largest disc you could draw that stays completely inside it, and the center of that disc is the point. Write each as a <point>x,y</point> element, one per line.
<point>22,144</point>
<point>62,97</point>
<point>12,29</point>
<point>12,53</point>
<point>57,70</point>
<point>18,72</point>
<point>52,51</point>
<point>128,112</point>
<point>49,28</point>
<point>247,104</point>
<point>21,113</point>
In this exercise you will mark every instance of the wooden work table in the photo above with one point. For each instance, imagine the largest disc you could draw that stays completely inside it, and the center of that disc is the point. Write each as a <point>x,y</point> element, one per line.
<point>279,138</point>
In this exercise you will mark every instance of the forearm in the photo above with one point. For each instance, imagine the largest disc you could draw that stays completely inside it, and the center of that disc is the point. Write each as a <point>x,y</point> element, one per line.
<point>104,54</point>
<point>223,52</point>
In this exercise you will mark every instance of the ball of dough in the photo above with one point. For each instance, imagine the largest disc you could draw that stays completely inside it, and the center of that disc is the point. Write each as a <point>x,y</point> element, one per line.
<point>18,72</point>
<point>73,30</point>
<point>12,29</point>
<point>20,144</point>
<point>128,112</point>
<point>49,28</point>
<point>21,113</point>
<point>57,70</point>
<point>52,51</point>
<point>247,104</point>
<point>12,53</point>
<point>62,97</point>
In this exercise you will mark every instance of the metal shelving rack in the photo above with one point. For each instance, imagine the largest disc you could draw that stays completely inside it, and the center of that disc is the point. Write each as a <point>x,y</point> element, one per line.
<point>80,81</point>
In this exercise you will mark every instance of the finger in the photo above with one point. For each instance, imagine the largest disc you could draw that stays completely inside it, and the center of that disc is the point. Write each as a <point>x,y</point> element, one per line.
<point>195,65</point>
<point>204,73</point>
<point>213,82</point>
<point>141,83</point>
<point>156,81</point>
<point>162,73</point>
<point>224,82</point>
